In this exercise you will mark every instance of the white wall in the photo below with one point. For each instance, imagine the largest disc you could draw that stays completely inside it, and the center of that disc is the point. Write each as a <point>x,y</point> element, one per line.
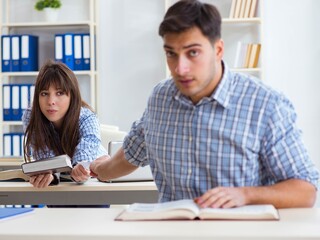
<point>131,59</point>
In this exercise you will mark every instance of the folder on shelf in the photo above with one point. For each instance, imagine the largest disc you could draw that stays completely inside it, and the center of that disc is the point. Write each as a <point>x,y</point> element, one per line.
<point>86,51</point>
<point>13,144</point>
<point>15,53</point>
<point>68,50</point>
<point>16,144</point>
<point>7,145</point>
<point>31,94</point>
<point>15,104</point>
<point>29,53</point>
<point>6,100</point>
<point>58,47</point>
<point>5,53</point>
<point>24,98</point>
<point>78,59</point>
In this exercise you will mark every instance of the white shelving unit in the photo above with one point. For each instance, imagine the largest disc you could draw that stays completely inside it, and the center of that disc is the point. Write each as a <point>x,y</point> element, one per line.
<point>234,30</point>
<point>76,16</point>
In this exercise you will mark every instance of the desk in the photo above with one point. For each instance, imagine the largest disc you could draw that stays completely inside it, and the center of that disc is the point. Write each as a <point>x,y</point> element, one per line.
<point>70,193</point>
<point>98,224</point>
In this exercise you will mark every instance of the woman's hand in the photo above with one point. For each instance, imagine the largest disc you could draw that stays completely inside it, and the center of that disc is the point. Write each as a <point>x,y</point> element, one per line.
<point>41,180</point>
<point>80,174</point>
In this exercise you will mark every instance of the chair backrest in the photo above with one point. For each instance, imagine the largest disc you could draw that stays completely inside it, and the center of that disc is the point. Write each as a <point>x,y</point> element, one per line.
<point>111,134</point>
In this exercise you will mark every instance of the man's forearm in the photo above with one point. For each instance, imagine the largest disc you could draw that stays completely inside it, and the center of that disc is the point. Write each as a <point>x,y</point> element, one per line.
<point>114,167</point>
<point>292,193</point>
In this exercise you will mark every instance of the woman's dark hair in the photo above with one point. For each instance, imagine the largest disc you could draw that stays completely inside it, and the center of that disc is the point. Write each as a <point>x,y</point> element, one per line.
<point>186,14</point>
<point>40,134</point>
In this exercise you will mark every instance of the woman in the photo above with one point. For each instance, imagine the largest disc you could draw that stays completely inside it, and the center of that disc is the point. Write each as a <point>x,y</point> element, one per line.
<point>60,122</point>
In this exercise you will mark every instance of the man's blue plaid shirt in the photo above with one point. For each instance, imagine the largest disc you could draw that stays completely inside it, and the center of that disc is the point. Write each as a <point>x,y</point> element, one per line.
<point>244,134</point>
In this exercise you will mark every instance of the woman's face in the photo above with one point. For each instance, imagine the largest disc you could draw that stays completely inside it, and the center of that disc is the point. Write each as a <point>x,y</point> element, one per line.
<point>54,104</point>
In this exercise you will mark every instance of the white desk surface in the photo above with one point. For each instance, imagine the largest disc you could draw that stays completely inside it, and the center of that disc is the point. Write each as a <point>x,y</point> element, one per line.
<point>91,185</point>
<point>96,224</point>
<point>69,193</point>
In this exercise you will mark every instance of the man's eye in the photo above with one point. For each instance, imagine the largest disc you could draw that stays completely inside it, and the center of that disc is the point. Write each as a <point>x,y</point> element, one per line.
<point>194,53</point>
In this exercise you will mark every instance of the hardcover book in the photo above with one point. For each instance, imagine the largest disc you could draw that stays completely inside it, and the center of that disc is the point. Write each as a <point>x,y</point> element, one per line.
<point>189,210</point>
<point>60,163</point>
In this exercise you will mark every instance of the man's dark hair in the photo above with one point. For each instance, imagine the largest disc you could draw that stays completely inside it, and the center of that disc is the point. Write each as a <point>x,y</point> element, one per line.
<point>186,14</point>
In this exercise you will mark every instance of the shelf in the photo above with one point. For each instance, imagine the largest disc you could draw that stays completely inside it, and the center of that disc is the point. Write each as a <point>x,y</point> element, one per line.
<point>47,24</point>
<point>245,69</point>
<point>12,123</point>
<point>241,20</point>
<point>25,74</point>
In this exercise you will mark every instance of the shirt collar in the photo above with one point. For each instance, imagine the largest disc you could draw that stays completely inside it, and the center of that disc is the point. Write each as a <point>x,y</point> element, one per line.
<point>221,94</point>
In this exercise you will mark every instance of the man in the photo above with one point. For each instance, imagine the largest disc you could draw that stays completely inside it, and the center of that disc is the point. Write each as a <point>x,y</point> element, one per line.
<point>221,138</point>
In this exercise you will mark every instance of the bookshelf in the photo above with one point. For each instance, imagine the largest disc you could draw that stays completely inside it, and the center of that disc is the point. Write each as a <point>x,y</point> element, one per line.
<point>75,16</point>
<point>246,29</point>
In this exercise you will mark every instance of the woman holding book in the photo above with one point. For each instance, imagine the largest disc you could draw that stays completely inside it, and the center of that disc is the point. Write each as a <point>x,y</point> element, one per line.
<point>60,122</point>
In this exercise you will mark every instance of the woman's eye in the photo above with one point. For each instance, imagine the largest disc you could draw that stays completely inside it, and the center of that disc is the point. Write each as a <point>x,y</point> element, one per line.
<point>43,94</point>
<point>170,54</point>
<point>60,93</point>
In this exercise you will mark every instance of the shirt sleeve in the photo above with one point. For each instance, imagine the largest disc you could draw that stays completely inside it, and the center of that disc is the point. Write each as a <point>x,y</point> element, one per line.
<point>134,144</point>
<point>89,147</point>
<point>285,155</point>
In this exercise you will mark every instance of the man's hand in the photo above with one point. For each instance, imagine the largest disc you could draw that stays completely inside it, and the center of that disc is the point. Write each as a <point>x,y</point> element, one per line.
<point>80,174</point>
<point>95,164</point>
<point>222,197</point>
<point>41,180</point>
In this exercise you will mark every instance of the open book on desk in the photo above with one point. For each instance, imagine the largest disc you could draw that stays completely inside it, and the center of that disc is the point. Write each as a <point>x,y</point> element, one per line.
<point>13,174</point>
<point>60,163</point>
<point>189,210</point>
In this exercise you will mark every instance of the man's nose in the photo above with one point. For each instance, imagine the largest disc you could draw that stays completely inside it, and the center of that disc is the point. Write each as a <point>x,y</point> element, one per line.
<point>182,66</point>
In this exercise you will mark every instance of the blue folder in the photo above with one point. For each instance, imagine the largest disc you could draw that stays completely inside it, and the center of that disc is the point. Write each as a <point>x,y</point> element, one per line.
<point>29,53</point>
<point>9,212</point>
<point>69,50</point>
<point>59,47</point>
<point>15,53</point>
<point>5,52</point>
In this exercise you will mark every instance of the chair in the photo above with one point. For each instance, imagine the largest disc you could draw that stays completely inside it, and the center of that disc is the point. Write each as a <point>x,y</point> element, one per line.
<point>110,133</point>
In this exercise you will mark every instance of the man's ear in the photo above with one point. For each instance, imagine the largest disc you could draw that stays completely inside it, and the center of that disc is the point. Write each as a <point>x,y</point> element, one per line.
<point>219,49</point>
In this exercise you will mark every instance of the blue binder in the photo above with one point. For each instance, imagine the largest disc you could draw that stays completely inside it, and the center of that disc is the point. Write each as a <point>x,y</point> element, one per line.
<point>59,47</point>
<point>5,53</point>
<point>78,59</point>
<point>6,99</point>
<point>86,51</point>
<point>15,103</point>
<point>15,53</point>
<point>69,50</point>
<point>24,98</point>
<point>29,53</point>
<point>7,144</point>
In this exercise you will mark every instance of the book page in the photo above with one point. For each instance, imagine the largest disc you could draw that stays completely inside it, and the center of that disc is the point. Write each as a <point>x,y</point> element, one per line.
<point>181,209</point>
<point>244,212</point>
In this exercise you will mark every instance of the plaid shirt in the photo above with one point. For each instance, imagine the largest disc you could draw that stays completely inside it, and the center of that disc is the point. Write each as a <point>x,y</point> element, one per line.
<point>244,134</point>
<point>89,147</point>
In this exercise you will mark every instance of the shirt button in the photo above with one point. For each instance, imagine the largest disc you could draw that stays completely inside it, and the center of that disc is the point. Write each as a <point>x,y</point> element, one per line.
<point>190,171</point>
<point>190,139</point>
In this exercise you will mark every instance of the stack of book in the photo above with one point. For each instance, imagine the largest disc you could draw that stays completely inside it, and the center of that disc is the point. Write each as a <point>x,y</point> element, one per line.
<point>243,8</point>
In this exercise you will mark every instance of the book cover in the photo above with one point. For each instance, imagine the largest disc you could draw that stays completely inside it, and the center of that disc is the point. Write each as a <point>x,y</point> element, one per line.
<point>60,163</point>
<point>188,210</point>
<point>10,212</point>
